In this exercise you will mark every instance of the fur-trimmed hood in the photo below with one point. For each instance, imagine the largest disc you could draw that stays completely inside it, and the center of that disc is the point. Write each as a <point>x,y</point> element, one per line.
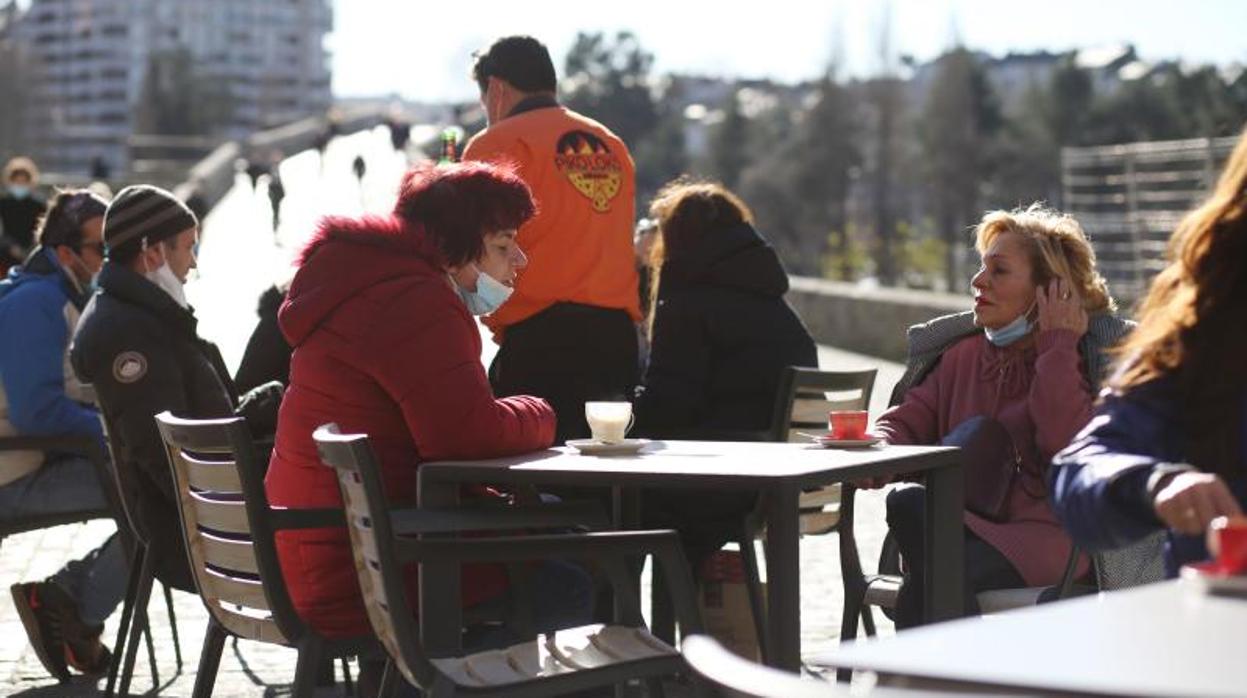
<point>347,256</point>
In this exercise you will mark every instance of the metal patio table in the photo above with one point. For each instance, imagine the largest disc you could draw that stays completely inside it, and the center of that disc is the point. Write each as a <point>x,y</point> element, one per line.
<point>777,471</point>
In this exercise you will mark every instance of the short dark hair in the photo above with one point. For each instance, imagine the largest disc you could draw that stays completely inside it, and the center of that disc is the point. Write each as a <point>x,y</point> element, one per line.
<point>520,60</point>
<point>457,205</point>
<point>67,212</point>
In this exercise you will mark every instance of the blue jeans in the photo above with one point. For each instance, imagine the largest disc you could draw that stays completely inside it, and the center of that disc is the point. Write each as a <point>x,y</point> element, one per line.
<point>97,582</point>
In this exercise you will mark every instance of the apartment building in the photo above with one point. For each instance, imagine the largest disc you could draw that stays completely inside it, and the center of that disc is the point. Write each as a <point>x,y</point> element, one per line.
<point>93,58</point>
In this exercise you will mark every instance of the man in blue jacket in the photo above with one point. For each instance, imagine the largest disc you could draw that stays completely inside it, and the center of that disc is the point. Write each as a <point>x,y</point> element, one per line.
<point>39,395</point>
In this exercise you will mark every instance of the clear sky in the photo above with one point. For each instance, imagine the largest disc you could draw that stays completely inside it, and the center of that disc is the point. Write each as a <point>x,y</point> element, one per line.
<point>421,49</point>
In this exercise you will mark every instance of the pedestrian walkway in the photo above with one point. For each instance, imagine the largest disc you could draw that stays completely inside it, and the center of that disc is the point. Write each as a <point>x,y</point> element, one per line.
<point>240,257</point>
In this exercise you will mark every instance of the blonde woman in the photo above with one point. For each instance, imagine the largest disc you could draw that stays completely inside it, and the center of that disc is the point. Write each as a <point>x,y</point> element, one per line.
<point>1015,377</point>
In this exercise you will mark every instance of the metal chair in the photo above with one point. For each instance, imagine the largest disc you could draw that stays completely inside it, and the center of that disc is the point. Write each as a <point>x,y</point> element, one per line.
<point>230,530</point>
<point>567,660</point>
<point>72,443</point>
<point>134,621</point>
<point>115,509</point>
<point>806,395</point>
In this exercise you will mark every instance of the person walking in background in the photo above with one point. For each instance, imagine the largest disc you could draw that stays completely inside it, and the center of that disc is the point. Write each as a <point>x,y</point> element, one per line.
<point>1011,381</point>
<point>20,210</point>
<point>567,333</point>
<point>1167,449</point>
<point>39,395</point>
<point>276,193</point>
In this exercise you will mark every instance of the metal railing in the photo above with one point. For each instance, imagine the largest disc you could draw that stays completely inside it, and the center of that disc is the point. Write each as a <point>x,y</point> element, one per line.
<point>1130,197</point>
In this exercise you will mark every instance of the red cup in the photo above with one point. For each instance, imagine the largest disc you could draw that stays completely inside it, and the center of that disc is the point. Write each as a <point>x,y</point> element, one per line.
<point>846,425</point>
<point>1227,539</point>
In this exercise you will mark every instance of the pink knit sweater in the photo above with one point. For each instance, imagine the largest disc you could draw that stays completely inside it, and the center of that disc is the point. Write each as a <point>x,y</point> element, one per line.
<point>1036,388</point>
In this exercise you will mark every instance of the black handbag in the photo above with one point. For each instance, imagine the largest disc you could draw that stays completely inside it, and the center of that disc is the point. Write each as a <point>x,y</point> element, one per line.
<point>991,463</point>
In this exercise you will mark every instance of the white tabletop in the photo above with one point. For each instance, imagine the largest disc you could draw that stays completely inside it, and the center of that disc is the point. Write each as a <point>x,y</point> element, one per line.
<point>745,463</point>
<point>1165,639</point>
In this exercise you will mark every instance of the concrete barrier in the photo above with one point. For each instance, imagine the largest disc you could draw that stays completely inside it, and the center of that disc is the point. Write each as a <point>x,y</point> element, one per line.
<point>867,320</point>
<point>211,178</point>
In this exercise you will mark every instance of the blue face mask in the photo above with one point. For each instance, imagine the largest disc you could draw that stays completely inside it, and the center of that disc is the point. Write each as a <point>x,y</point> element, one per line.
<point>18,191</point>
<point>1011,332</point>
<point>489,294</point>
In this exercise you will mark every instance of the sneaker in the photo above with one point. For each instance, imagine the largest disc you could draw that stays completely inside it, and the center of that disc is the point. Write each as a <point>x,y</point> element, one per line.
<point>83,650</point>
<point>37,605</point>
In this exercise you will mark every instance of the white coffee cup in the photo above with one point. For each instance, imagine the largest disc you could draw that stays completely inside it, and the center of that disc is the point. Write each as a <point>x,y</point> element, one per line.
<point>609,421</point>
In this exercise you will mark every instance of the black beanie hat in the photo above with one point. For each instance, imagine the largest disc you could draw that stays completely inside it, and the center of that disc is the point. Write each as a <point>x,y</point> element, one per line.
<point>145,212</point>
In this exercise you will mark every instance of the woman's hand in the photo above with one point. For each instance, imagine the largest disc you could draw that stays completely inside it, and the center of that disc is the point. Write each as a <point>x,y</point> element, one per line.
<point>1060,307</point>
<point>1188,502</point>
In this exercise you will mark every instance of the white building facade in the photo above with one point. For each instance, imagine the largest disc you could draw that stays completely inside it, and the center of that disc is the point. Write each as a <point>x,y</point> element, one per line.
<point>93,57</point>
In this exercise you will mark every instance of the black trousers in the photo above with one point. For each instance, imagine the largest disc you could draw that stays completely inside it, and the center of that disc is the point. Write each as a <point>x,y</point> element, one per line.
<point>568,354</point>
<point>986,568</point>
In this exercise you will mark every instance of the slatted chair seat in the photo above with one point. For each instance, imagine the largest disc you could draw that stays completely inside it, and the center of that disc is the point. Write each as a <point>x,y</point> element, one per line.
<point>566,651</point>
<point>551,664</point>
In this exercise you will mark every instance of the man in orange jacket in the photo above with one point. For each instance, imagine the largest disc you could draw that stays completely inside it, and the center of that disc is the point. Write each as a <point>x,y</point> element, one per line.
<point>567,333</point>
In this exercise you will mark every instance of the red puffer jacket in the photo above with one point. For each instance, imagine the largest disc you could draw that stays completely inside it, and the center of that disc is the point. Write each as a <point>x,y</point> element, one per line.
<point>382,346</point>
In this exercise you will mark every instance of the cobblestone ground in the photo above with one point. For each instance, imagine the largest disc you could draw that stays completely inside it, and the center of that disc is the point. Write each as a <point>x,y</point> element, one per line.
<point>239,258</point>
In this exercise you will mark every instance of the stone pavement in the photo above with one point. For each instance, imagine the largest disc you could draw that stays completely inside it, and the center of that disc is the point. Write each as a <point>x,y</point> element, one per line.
<point>239,258</point>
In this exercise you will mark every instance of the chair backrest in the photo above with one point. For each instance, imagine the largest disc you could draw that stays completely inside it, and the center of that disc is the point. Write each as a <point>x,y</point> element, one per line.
<point>372,546</point>
<point>1142,562</point>
<point>124,483</point>
<point>225,522</point>
<point>806,395</point>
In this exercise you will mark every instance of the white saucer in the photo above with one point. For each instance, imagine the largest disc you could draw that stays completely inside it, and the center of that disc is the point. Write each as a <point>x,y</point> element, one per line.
<point>828,442</point>
<point>1214,581</point>
<point>593,447</point>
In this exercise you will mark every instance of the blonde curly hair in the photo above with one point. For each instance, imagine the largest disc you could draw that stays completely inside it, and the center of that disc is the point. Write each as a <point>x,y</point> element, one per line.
<point>1058,248</point>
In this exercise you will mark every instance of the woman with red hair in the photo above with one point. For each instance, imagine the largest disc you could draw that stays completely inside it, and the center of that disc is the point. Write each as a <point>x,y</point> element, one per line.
<point>380,318</point>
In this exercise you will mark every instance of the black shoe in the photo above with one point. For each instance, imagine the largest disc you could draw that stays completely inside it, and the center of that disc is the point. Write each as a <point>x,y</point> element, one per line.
<point>38,605</point>
<point>83,650</point>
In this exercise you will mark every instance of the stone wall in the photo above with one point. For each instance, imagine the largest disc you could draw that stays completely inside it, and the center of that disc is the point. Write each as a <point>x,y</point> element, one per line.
<point>867,320</point>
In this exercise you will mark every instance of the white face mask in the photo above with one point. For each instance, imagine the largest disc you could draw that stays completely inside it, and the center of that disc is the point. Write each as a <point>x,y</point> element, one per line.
<point>489,294</point>
<point>167,281</point>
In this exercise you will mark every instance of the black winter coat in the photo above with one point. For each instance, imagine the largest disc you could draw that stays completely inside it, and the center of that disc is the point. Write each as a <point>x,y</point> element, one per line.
<point>722,335</point>
<point>140,350</point>
<point>267,357</point>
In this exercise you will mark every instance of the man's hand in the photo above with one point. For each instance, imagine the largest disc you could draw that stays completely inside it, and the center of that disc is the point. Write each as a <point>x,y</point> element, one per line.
<point>1188,502</point>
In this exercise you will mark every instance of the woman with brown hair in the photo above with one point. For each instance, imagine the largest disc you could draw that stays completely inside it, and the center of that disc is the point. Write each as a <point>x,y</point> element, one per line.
<point>1167,448</point>
<point>721,332</point>
<point>1011,382</point>
<point>721,335</point>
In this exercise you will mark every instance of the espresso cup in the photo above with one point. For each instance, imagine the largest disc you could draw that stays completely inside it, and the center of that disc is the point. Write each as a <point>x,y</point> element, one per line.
<point>1227,542</point>
<point>846,425</point>
<point>609,421</point>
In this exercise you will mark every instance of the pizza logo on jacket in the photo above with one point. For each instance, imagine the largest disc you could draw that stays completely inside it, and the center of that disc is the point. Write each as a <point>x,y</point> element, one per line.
<point>590,166</point>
